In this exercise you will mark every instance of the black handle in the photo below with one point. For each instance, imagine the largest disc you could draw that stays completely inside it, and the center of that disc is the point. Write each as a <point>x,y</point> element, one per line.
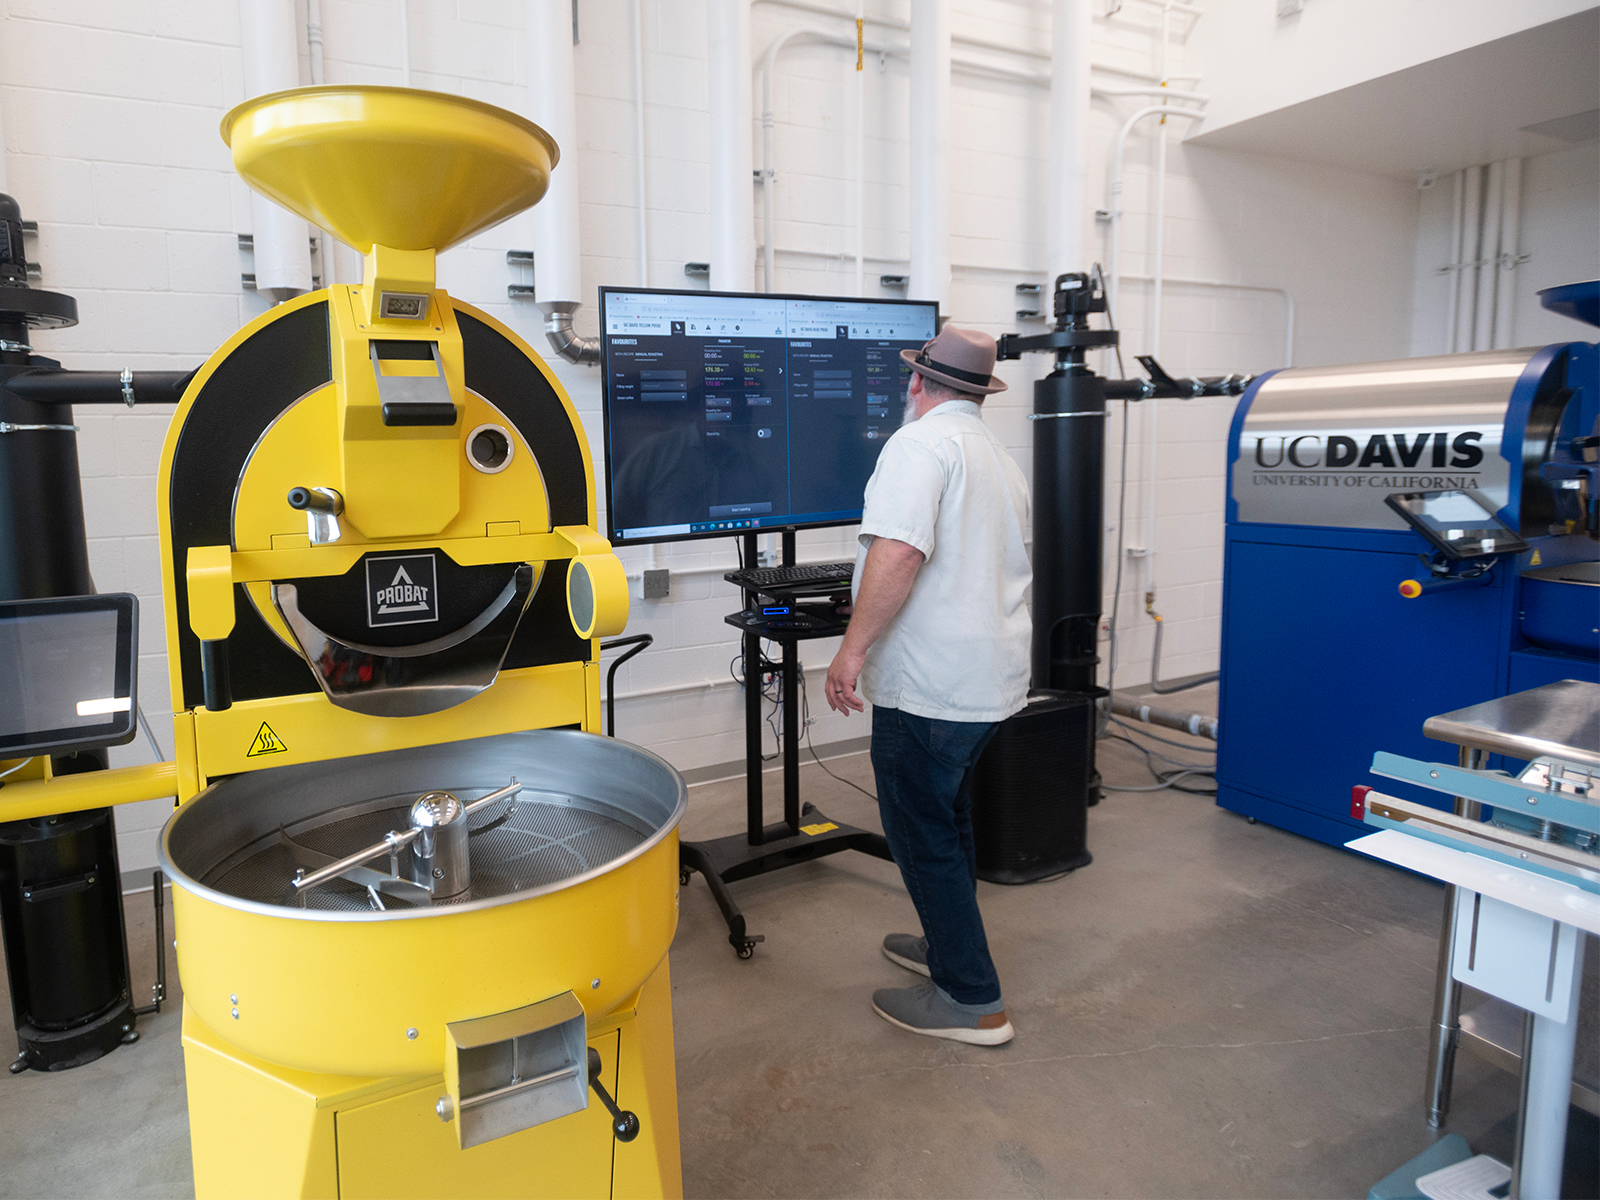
<point>640,642</point>
<point>214,675</point>
<point>303,498</point>
<point>624,1124</point>
<point>35,894</point>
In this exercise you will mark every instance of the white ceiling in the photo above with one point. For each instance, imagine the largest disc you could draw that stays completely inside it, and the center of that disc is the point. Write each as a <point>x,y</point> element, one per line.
<point>1471,107</point>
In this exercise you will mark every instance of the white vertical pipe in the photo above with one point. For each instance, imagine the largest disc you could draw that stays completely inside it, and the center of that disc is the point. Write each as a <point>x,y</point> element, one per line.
<point>733,214</point>
<point>1506,270</point>
<point>405,43</point>
<point>314,40</point>
<point>930,151</point>
<point>1467,276</point>
<point>1069,138</point>
<point>5,186</point>
<point>861,153</point>
<point>269,35</point>
<point>1153,411</point>
<point>329,244</point>
<point>553,105</point>
<point>1489,250</point>
<point>1453,282</point>
<point>641,192</point>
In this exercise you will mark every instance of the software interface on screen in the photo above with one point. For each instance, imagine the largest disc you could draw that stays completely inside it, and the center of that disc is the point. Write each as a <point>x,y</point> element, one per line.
<point>58,672</point>
<point>730,413</point>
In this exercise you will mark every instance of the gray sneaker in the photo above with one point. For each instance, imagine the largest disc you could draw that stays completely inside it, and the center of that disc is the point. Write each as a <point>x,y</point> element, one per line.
<point>906,951</point>
<point>923,1009</point>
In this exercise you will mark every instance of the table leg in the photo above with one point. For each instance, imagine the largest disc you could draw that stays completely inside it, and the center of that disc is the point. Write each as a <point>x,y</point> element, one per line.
<point>1446,990</point>
<point>1546,1092</point>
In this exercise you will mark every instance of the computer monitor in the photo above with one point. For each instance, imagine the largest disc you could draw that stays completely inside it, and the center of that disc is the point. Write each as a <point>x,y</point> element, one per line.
<point>68,673</point>
<point>729,413</point>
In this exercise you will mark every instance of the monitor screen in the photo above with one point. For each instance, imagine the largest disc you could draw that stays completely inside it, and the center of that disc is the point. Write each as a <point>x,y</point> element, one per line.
<point>67,673</point>
<point>1458,522</point>
<point>729,413</point>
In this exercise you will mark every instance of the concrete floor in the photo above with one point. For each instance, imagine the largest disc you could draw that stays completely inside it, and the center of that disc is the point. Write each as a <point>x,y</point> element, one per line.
<point>1211,1009</point>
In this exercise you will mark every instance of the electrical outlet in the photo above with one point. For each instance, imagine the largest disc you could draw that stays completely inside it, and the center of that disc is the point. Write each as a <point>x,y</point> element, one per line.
<point>657,584</point>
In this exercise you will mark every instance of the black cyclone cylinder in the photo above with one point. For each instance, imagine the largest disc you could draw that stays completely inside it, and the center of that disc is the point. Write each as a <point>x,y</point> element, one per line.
<point>60,882</point>
<point>1069,407</point>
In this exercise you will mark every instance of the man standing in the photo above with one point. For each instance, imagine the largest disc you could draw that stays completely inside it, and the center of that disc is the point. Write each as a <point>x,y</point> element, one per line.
<point>939,642</point>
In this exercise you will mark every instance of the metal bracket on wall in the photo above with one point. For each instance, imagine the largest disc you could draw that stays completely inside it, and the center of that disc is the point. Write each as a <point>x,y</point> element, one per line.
<point>697,270</point>
<point>523,260</point>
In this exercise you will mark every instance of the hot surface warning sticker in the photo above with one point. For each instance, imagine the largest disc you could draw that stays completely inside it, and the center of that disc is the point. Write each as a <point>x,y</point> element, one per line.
<point>401,590</point>
<point>266,742</point>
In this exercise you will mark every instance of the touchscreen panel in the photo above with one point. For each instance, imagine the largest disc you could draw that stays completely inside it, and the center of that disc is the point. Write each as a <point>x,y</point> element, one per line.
<point>67,673</point>
<point>1457,522</point>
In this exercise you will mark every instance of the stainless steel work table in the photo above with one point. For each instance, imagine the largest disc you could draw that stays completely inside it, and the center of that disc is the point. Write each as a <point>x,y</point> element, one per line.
<point>1559,720</point>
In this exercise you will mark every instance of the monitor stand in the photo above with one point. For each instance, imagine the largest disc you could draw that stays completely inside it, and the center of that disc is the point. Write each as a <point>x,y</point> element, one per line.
<point>762,847</point>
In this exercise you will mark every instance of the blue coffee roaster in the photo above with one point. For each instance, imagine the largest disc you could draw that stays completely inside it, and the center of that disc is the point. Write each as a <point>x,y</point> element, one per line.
<point>1403,539</point>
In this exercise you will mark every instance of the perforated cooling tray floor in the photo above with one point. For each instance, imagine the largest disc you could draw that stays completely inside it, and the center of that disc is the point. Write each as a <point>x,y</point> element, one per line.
<point>541,842</point>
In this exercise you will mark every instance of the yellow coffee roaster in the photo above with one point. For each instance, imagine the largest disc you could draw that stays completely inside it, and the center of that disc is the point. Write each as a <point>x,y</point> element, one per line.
<point>422,908</point>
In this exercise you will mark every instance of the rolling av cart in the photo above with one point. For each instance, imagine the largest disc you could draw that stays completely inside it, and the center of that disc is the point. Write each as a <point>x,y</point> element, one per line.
<point>762,847</point>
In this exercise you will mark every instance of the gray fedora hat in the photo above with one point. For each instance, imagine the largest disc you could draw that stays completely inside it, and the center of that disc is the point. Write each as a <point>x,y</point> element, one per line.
<point>958,358</point>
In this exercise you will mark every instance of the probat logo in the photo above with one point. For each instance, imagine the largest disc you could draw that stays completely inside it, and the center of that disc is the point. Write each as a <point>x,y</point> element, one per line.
<point>402,590</point>
<point>1435,449</point>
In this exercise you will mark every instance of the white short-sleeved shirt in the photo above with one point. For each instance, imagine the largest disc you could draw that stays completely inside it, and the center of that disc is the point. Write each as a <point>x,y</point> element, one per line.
<point>959,649</point>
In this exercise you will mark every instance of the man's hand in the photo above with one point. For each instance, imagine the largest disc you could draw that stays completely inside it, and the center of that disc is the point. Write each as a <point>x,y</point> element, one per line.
<point>843,672</point>
<point>886,578</point>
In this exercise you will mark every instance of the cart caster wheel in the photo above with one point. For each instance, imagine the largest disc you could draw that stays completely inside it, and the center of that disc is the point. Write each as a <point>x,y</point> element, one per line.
<point>1251,820</point>
<point>130,1037</point>
<point>683,876</point>
<point>747,950</point>
<point>18,1066</point>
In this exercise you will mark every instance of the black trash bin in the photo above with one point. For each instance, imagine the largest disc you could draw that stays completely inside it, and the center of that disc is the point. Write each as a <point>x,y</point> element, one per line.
<point>1030,791</point>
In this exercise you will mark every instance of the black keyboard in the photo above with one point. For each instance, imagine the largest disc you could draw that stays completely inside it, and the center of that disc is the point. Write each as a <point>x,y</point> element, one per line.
<point>810,575</point>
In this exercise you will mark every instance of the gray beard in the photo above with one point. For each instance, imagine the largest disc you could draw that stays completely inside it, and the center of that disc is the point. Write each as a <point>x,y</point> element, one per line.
<point>909,415</point>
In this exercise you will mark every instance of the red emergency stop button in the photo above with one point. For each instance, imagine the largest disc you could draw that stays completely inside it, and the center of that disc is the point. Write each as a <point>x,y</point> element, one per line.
<point>1410,589</point>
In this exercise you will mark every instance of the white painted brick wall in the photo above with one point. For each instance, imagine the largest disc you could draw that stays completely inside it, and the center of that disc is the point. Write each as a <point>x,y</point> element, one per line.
<point>112,109</point>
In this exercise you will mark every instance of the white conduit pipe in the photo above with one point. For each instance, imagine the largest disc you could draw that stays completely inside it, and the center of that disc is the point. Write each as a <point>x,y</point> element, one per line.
<point>1114,275</point>
<point>1471,251</point>
<point>5,186</point>
<point>1489,253</point>
<point>1453,283</point>
<point>269,35</point>
<point>405,43</point>
<point>1284,294</point>
<point>1152,412</point>
<point>767,174</point>
<point>314,59</point>
<point>962,39</point>
<point>930,151</point>
<point>1505,269</point>
<point>314,40</point>
<point>641,191</point>
<point>553,105</point>
<point>1069,138</point>
<point>861,150</point>
<point>733,240</point>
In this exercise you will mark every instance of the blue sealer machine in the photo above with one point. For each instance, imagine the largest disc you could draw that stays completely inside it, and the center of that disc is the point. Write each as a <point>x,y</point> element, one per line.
<point>1521,856</point>
<point>1403,538</point>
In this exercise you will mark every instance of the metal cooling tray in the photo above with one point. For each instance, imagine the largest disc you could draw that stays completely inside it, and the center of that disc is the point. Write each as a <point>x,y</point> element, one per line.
<point>587,805</point>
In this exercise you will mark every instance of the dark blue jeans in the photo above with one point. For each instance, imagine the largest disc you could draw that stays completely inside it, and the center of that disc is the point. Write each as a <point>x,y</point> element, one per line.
<point>924,772</point>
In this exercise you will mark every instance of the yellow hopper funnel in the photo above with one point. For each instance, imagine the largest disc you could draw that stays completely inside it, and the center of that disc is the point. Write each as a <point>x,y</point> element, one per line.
<point>390,167</point>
